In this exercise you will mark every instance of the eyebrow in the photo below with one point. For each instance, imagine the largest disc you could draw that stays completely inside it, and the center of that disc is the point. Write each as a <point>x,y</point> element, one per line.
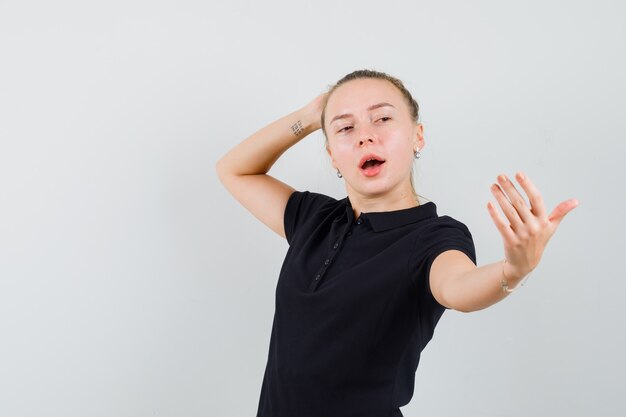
<point>373,107</point>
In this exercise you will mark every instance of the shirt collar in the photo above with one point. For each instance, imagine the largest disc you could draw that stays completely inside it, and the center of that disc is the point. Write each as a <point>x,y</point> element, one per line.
<point>386,220</point>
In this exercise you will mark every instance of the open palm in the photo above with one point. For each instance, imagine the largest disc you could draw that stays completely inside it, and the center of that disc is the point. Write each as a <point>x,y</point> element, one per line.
<point>529,228</point>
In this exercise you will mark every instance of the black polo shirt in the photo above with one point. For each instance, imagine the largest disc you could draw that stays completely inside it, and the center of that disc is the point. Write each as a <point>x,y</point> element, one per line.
<point>353,307</point>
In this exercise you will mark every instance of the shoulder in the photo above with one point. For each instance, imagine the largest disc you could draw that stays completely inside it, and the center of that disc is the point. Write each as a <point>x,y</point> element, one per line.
<point>305,209</point>
<point>438,235</point>
<point>442,233</point>
<point>436,222</point>
<point>299,199</point>
<point>445,223</point>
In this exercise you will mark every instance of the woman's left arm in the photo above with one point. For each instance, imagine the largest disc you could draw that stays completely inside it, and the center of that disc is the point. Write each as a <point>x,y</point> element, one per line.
<point>457,283</point>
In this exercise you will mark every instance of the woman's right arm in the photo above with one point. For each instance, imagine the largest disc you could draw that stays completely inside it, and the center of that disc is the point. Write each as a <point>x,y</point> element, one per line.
<point>243,170</point>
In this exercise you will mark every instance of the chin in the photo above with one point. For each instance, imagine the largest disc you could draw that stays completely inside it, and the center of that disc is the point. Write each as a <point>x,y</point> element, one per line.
<point>377,188</point>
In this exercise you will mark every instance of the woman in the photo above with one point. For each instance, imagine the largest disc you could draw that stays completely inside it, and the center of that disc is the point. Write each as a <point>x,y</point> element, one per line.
<point>366,278</point>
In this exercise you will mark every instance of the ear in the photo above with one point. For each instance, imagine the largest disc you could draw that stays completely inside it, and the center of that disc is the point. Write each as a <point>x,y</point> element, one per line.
<point>330,153</point>
<point>419,136</point>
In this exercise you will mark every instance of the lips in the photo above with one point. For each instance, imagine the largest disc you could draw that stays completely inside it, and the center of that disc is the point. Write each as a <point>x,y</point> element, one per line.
<point>371,165</point>
<point>370,160</point>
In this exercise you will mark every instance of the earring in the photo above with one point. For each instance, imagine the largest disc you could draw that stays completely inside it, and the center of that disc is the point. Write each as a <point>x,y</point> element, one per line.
<point>339,173</point>
<point>417,154</point>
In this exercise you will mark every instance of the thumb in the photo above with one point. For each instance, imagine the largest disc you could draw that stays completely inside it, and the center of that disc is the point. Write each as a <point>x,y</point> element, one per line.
<point>562,209</point>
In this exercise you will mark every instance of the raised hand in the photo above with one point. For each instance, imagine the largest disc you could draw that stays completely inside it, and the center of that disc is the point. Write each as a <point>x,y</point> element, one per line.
<point>313,110</point>
<point>529,228</point>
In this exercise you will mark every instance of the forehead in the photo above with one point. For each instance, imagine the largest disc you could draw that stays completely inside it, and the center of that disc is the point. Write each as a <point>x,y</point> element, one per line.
<point>356,95</point>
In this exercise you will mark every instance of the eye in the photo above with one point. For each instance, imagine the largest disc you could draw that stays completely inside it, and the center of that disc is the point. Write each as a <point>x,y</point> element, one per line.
<point>385,118</point>
<point>344,129</point>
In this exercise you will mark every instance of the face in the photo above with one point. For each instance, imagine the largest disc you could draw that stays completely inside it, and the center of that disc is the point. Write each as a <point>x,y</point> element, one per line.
<point>370,119</point>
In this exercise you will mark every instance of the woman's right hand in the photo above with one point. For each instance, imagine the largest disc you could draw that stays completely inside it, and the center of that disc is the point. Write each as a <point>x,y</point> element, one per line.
<point>314,109</point>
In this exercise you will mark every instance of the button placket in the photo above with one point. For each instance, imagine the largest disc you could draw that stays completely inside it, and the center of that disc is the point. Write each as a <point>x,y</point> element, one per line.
<point>316,282</point>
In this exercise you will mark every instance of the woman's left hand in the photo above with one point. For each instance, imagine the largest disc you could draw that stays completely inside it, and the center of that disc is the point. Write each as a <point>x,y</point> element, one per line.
<point>530,228</point>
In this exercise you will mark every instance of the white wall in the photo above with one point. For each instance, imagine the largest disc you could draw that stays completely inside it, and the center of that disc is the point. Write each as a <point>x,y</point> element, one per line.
<point>133,284</point>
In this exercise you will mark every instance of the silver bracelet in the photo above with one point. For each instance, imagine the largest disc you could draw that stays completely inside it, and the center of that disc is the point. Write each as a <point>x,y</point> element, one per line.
<point>504,283</point>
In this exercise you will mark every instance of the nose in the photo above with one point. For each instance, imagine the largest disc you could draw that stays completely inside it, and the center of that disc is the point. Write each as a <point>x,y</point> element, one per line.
<point>366,137</point>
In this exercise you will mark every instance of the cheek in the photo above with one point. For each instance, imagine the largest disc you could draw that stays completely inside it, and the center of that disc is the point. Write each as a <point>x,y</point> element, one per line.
<point>401,148</point>
<point>342,148</point>
<point>400,143</point>
<point>340,152</point>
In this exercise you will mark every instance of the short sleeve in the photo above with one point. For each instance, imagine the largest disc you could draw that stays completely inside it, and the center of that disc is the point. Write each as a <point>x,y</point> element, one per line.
<point>304,207</point>
<point>446,233</point>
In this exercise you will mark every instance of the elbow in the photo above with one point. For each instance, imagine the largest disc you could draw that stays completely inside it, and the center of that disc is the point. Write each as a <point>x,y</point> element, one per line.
<point>218,171</point>
<point>468,308</point>
<point>448,296</point>
<point>219,165</point>
<point>221,170</point>
<point>461,307</point>
<point>457,301</point>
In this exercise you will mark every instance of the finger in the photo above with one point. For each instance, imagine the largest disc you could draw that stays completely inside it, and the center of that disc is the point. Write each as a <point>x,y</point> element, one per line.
<point>534,196</point>
<point>507,233</point>
<point>509,211</point>
<point>516,198</point>
<point>562,209</point>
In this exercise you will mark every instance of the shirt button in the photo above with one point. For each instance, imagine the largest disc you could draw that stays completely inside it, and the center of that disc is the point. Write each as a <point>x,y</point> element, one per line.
<point>336,245</point>
<point>358,221</point>
<point>317,278</point>
<point>327,261</point>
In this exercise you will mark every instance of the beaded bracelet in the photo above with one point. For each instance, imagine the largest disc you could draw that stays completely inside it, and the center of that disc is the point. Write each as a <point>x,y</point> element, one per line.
<point>504,283</point>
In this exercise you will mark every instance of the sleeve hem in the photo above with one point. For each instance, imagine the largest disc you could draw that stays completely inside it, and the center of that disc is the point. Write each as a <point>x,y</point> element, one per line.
<point>434,256</point>
<point>287,223</point>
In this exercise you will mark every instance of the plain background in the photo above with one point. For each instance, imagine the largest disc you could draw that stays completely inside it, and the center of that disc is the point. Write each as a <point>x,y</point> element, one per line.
<point>133,284</point>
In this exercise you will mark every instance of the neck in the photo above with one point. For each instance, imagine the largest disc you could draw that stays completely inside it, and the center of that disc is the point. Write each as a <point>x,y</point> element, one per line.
<point>363,203</point>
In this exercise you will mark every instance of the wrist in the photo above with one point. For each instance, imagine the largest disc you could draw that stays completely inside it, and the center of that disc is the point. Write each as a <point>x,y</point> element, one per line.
<point>513,274</point>
<point>311,114</point>
<point>299,125</point>
<point>512,278</point>
<point>309,120</point>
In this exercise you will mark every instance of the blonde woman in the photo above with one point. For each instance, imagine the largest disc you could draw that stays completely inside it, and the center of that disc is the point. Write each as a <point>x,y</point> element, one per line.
<point>366,278</point>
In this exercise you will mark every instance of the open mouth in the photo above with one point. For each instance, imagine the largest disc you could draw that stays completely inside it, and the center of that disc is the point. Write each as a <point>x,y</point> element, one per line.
<point>372,166</point>
<point>370,163</point>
